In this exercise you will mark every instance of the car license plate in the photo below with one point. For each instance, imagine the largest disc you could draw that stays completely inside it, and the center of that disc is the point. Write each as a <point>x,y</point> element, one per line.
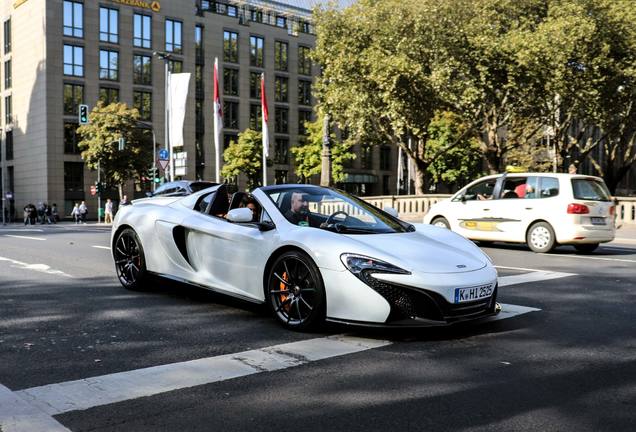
<point>598,221</point>
<point>473,293</point>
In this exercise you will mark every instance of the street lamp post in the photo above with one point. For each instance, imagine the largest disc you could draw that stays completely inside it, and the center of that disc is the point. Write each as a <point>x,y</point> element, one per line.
<point>166,59</point>
<point>325,175</point>
<point>4,190</point>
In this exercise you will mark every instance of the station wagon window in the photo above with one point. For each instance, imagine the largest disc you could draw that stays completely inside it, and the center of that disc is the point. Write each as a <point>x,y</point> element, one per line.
<point>549,187</point>
<point>588,189</point>
<point>514,187</point>
<point>479,191</point>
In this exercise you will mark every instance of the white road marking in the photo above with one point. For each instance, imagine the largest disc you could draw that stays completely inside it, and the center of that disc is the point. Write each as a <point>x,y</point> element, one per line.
<point>102,247</point>
<point>534,276</point>
<point>21,230</point>
<point>43,268</point>
<point>598,258</point>
<point>82,394</point>
<point>25,237</point>
<point>509,311</point>
<point>17,415</point>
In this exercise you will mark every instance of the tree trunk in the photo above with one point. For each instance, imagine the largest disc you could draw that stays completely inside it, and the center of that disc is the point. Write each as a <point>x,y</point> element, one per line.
<point>120,187</point>
<point>420,176</point>
<point>490,149</point>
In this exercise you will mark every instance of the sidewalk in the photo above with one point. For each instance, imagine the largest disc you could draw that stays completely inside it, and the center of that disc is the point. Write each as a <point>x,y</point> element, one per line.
<point>626,234</point>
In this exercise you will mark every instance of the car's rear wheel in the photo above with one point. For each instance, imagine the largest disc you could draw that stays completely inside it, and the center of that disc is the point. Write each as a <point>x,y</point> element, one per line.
<point>295,291</point>
<point>540,237</point>
<point>586,248</point>
<point>130,261</point>
<point>441,222</point>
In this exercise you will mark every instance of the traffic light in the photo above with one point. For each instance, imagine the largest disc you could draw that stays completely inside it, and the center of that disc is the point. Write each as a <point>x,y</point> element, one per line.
<point>83,114</point>
<point>99,187</point>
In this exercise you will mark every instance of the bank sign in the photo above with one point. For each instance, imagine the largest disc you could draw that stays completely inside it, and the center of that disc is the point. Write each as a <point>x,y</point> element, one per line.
<point>154,6</point>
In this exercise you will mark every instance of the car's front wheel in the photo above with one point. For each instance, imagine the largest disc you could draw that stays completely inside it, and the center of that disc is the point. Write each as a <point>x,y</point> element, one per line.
<point>440,222</point>
<point>130,261</point>
<point>295,291</point>
<point>540,237</point>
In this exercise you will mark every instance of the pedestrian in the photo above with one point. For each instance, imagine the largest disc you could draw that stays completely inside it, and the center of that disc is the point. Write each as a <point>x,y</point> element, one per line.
<point>27,214</point>
<point>47,213</point>
<point>76,213</point>
<point>572,169</point>
<point>83,211</point>
<point>54,213</point>
<point>40,212</point>
<point>108,212</point>
<point>124,201</point>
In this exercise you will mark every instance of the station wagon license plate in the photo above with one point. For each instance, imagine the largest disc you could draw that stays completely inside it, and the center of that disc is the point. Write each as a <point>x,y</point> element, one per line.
<point>598,221</point>
<point>473,293</point>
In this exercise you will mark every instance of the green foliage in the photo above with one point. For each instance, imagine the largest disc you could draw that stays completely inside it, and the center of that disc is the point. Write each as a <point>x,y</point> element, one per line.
<point>244,157</point>
<point>99,143</point>
<point>308,155</point>
<point>462,162</point>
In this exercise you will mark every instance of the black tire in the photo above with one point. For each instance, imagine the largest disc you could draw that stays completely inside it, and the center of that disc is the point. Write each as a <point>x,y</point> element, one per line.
<point>540,237</point>
<point>130,261</point>
<point>485,243</point>
<point>295,292</point>
<point>586,247</point>
<point>440,222</point>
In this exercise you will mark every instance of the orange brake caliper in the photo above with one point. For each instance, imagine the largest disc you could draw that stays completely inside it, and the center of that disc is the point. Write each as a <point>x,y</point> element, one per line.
<point>283,287</point>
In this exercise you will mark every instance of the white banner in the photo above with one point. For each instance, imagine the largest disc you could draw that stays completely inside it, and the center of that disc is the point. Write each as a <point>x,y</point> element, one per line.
<point>178,97</point>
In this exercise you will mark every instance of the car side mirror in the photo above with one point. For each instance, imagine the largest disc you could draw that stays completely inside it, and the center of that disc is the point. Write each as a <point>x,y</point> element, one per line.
<point>266,226</point>
<point>240,215</point>
<point>462,198</point>
<point>148,194</point>
<point>390,210</point>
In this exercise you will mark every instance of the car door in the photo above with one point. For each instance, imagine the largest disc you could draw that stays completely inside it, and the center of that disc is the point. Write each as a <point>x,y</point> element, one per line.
<point>472,212</point>
<point>226,256</point>
<point>513,207</point>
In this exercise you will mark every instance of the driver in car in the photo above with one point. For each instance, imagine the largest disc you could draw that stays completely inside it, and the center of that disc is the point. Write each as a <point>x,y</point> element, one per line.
<point>298,214</point>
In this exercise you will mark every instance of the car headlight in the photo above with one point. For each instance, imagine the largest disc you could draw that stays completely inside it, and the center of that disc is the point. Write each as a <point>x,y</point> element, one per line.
<point>363,266</point>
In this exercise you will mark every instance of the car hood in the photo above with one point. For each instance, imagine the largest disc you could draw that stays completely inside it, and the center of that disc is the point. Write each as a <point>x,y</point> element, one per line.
<point>437,251</point>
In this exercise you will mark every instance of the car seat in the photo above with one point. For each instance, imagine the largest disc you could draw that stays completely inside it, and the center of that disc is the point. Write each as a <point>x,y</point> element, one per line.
<point>220,204</point>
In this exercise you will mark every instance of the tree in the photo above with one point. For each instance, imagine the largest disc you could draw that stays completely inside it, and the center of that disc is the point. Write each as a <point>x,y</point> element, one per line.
<point>244,157</point>
<point>107,124</point>
<point>308,155</point>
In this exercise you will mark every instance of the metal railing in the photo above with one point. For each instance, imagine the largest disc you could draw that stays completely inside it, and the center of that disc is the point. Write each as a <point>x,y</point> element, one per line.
<point>414,207</point>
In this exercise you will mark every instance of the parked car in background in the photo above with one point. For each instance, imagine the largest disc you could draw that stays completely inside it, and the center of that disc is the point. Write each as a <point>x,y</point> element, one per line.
<point>181,187</point>
<point>541,209</point>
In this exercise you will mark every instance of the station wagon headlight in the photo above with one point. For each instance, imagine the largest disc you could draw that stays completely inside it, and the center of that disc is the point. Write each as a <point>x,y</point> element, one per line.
<point>362,266</point>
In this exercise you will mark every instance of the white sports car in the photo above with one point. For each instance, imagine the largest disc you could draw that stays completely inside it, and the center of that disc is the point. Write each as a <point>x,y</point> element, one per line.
<point>311,253</point>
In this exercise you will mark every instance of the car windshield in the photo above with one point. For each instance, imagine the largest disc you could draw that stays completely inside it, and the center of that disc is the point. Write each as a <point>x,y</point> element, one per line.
<point>199,186</point>
<point>333,210</point>
<point>592,190</point>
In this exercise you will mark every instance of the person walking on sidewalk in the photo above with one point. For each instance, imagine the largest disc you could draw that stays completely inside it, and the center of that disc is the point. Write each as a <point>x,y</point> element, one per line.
<point>83,211</point>
<point>76,213</point>
<point>54,214</point>
<point>108,212</point>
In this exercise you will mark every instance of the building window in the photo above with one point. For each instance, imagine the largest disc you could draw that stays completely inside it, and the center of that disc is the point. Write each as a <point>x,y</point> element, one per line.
<point>229,138</point>
<point>7,74</point>
<point>198,81</point>
<point>255,85</point>
<point>280,176</point>
<point>7,36</point>
<point>175,66</point>
<point>280,55</point>
<point>281,151</point>
<point>142,100</point>
<point>385,158</point>
<point>385,185</point>
<point>281,21</point>
<point>108,25</point>
<point>71,138</point>
<point>108,65</point>
<point>256,15</point>
<point>230,115</point>
<point>73,19</point>
<point>198,116</point>
<point>73,177</point>
<point>303,117</point>
<point>8,110</point>
<point>142,31</point>
<point>73,97</point>
<point>304,61</point>
<point>230,81</point>
<point>142,70</point>
<point>282,120</point>
<point>256,122</point>
<point>108,95</point>
<point>230,47</point>
<point>281,89</point>
<point>198,43</point>
<point>173,36</point>
<point>199,156</point>
<point>304,92</point>
<point>256,51</point>
<point>366,159</point>
<point>73,60</point>
<point>8,147</point>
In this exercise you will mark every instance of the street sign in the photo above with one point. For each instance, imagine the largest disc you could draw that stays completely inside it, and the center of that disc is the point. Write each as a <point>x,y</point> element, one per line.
<point>163,164</point>
<point>163,155</point>
<point>180,163</point>
<point>93,190</point>
<point>83,114</point>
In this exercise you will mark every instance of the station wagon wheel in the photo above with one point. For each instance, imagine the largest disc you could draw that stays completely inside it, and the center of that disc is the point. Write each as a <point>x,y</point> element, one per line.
<point>295,291</point>
<point>130,261</point>
<point>540,237</point>
<point>586,247</point>
<point>440,222</point>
